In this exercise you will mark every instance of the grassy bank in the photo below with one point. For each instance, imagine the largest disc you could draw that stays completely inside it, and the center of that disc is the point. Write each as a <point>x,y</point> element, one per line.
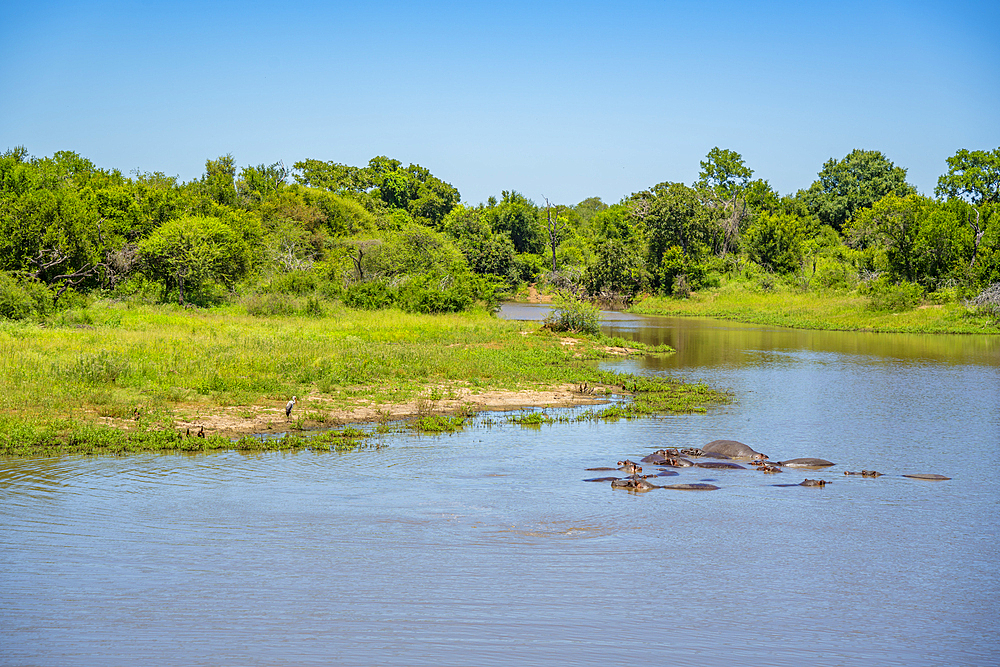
<point>113,376</point>
<point>841,311</point>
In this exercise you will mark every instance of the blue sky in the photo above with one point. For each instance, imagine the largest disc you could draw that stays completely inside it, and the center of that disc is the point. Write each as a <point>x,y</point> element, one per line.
<point>552,99</point>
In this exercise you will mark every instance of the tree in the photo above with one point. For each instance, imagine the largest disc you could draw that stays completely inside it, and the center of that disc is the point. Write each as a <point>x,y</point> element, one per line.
<point>486,253</point>
<point>723,170</point>
<point>555,228</point>
<point>847,186</point>
<point>384,182</point>
<point>974,176</point>
<point>775,241</point>
<point>616,269</point>
<point>723,184</point>
<point>517,217</point>
<point>257,183</point>
<point>673,215</point>
<point>893,222</point>
<point>219,181</point>
<point>194,252</point>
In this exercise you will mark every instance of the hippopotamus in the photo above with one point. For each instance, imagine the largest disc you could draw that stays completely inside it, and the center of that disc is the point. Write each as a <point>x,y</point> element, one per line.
<point>719,464</point>
<point>805,463</point>
<point>732,449</point>
<point>698,486</point>
<point>768,469</point>
<point>692,451</point>
<point>678,462</point>
<point>864,473</point>
<point>656,458</point>
<point>630,467</point>
<point>806,482</point>
<point>924,475</point>
<point>633,484</point>
<point>626,466</point>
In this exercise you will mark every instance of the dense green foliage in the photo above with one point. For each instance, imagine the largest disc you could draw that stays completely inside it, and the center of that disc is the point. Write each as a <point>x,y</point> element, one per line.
<point>285,241</point>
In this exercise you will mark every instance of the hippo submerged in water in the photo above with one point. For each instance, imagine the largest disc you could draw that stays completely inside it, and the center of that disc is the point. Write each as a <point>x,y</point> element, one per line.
<point>805,463</point>
<point>719,465</point>
<point>691,487</point>
<point>633,484</point>
<point>807,482</point>
<point>731,449</point>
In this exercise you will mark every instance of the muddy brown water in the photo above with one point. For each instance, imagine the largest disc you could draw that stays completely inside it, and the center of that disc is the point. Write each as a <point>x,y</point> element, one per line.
<point>487,548</point>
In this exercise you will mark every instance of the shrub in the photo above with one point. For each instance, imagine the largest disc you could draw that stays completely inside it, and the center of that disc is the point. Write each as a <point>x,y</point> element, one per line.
<point>15,303</point>
<point>369,295</point>
<point>435,294</point>
<point>988,300</point>
<point>572,314</point>
<point>20,300</point>
<point>886,296</point>
<point>677,266</point>
<point>293,282</point>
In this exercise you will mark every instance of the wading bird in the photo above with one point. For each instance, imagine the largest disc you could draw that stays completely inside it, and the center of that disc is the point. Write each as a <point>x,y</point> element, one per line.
<point>288,407</point>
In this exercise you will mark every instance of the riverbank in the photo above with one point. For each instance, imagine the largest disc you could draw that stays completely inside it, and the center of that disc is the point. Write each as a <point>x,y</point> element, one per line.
<point>115,373</point>
<point>847,311</point>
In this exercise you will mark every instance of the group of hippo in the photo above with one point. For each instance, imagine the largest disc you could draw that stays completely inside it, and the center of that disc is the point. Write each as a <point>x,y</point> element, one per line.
<point>718,449</point>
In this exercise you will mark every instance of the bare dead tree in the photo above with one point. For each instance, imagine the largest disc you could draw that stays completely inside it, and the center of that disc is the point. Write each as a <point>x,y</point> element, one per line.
<point>978,232</point>
<point>119,263</point>
<point>731,223</point>
<point>287,256</point>
<point>555,229</point>
<point>363,248</point>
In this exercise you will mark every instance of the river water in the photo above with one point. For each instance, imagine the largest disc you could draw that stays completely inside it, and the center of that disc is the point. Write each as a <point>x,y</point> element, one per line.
<point>487,548</point>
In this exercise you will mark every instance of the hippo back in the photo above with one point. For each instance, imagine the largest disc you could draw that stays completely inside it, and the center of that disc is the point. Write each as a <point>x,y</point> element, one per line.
<point>731,448</point>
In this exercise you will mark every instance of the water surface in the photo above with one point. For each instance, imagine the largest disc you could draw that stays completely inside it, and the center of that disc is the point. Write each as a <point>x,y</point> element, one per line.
<point>486,548</point>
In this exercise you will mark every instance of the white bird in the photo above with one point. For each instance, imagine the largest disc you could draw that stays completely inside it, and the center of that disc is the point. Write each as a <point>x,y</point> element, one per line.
<point>288,407</point>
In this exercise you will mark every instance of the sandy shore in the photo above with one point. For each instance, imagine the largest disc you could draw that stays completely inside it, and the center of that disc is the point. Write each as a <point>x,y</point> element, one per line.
<point>242,420</point>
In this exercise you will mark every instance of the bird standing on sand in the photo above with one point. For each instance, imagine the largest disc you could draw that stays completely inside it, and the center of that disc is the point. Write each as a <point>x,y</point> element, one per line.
<point>288,407</point>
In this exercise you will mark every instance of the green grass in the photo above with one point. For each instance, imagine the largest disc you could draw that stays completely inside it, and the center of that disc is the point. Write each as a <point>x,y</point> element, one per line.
<point>841,311</point>
<point>20,439</point>
<point>134,374</point>
<point>439,423</point>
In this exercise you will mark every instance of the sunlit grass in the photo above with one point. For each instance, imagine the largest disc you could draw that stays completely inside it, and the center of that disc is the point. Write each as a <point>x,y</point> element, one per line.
<point>140,368</point>
<point>842,311</point>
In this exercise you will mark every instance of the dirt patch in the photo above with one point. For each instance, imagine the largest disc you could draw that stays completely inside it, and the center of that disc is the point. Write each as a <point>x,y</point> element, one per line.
<point>316,412</point>
<point>535,297</point>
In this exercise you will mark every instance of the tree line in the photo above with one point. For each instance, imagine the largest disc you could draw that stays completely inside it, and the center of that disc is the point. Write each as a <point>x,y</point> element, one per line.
<point>387,235</point>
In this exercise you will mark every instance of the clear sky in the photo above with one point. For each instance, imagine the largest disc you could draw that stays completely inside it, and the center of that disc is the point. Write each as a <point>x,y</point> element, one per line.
<point>565,100</point>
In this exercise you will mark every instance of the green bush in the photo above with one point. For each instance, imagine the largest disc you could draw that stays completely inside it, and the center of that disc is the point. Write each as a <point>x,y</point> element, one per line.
<point>831,273</point>
<point>886,296</point>
<point>20,300</point>
<point>571,314</point>
<point>313,307</point>
<point>528,267</point>
<point>369,295</point>
<point>15,302</point>
<point>679,271</point>
<point>435,294</point>
<point>293,282</point>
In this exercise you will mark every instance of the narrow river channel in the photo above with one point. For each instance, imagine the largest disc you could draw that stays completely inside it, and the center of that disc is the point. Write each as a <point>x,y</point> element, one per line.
<point>487,548</point>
